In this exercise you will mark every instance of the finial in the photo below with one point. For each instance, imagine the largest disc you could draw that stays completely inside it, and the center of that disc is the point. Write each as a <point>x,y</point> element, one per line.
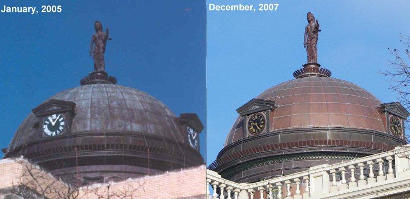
<point>97,50</point>
<point>311,68</point>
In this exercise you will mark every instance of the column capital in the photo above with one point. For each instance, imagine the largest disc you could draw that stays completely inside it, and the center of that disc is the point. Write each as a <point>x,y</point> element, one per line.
<point>215,182</point>
<point>360,164</point>
<point>229,188</point>
<point>370,162</point>
<point>351,167</point>
<point>261,188</point>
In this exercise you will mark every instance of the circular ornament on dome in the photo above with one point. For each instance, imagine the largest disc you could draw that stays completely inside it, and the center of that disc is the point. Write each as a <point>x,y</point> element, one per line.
<point>395,125</point>
<point>256,123</point>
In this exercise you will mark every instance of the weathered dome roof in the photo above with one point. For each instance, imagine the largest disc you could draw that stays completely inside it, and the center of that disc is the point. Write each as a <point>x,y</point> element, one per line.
<point>114,133</point>
<point>109,108</point>
<point>318,102</point>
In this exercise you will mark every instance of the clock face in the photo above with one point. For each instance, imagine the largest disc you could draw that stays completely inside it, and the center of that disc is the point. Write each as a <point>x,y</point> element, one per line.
<point>192,137</point>
<point>54,125</point>
<point>256,123</point>
<point>395,125</point>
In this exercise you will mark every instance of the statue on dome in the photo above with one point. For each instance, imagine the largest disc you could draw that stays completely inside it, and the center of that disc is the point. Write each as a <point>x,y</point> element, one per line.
<point>97,46</point>
<point>311,36</point>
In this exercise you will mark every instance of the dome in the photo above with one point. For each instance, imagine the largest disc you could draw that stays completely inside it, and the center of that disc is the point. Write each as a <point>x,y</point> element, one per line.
<point>318,102</point>
<point>311,120</point>
<point>111,132</point>
<point>109,108</point>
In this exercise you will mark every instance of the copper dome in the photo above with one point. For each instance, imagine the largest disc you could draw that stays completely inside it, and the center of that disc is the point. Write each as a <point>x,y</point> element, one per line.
<point>311,120</point>
<point>318,102</point>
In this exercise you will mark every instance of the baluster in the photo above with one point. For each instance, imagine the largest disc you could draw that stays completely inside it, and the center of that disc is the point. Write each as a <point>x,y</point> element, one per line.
<point>228,192</point>
<point>306,192</point>
<point>236,193</point>
<point>261,189</point>
<point>370,179</point>
<point>361,181</point>
<point>343,184</point>
<point>208,183</point>
<point>352,182</point>
<point>287,182</point>
<point>279,185</point>
<point>390,174</point>
<point>250,191</point>
<point>221,190</point>
<point>381,176</point>
<point>297,192</point>
<point>269,193</point>
<point>333,187</point>
<point>214,194</point>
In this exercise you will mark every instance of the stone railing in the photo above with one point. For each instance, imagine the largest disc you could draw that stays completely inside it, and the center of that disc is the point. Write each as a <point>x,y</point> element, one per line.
<point>377,175</point>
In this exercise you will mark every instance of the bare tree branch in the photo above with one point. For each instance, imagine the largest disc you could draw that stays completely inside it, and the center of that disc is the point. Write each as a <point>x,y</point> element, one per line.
<point>399,73</point>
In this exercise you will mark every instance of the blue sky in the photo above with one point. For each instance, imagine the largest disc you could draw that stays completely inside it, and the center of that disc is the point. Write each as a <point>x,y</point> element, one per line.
<point>248,53</point>
<point>157,47</point>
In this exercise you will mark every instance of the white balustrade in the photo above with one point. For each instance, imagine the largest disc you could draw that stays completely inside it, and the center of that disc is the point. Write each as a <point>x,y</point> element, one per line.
<point>320,181</point>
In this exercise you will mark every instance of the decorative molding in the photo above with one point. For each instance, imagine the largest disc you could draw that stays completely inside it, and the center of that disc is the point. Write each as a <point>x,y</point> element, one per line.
<point>54,106</point>
<point>192,120</point>
<point>395,108</point>
<point>256,105</point>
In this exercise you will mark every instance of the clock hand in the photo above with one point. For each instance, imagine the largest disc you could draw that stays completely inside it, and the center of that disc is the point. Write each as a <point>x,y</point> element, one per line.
<point>52,121</point>
<point>55,121</point>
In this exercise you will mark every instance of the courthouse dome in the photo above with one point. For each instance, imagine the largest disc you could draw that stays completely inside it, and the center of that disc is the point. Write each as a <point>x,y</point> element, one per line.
<point>319,102</point>
<point>311,120</point>
<point>109,108</point>
<point>111,132</point>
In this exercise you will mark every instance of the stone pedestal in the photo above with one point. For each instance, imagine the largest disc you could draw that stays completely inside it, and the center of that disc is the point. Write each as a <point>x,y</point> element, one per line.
<point>333,189</point>
<point>381,178</point>
<point>100,77</point>
<point>390,176</point>
<point>352,185</point>
<point>305,195</point>
<point>361,183</point>
<point>371,180</point>
<point>343,187</point>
